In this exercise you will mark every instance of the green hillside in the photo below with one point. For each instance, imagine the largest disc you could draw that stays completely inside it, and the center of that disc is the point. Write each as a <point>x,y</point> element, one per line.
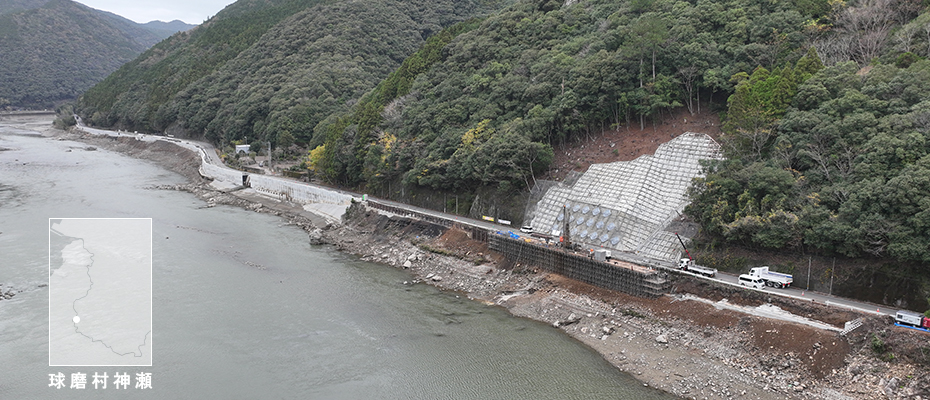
<point>541,73</point>
<point>54,51</point>
<point>831,160</point>
<point>260,68</point>
<point>824,103</point>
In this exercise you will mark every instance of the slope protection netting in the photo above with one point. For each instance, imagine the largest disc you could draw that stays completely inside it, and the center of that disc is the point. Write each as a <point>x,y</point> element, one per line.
<point>626,205</point>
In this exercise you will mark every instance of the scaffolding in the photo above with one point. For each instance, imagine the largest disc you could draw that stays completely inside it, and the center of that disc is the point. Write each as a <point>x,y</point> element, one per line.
<point>622,277</point>
<point>613,275</point>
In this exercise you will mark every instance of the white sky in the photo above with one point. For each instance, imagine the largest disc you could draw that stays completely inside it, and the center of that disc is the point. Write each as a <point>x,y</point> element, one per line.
<point>191,11</point>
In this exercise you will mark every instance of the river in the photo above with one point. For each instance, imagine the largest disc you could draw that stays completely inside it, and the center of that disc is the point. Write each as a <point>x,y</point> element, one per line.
<point>244,307</point>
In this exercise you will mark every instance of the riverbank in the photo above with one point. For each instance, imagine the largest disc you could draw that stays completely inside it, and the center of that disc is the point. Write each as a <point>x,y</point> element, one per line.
<point>685,347</point>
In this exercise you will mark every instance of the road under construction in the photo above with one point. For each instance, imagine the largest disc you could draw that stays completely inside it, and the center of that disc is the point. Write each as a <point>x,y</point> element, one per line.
<point>651,267</point>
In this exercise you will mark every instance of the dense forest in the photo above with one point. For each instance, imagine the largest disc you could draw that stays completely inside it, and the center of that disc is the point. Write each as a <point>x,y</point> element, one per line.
<point>257,70</point>
<point>541,73</point>
<point>836,161</point>
<point>825,102</point>
<point>55,50</point>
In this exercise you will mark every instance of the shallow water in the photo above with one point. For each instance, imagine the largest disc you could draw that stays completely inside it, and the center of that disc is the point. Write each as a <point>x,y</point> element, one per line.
<point>243,307</point>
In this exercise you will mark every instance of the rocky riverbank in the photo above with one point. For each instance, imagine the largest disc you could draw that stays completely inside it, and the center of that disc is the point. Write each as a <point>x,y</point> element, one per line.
<point>690,348</point>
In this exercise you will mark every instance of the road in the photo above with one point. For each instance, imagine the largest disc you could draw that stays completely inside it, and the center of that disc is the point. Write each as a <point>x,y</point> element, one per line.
<point>793,292</point>
<point>805,295</point>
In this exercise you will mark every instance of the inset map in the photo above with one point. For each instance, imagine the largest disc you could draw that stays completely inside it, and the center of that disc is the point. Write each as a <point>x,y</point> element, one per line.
<point>100,291</point>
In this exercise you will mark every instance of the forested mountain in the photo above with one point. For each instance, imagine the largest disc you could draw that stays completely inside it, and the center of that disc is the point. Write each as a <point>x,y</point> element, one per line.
<point>53,51</point>
<point>12,6</point>
<point>824,102</point>
<point>543,72</point>
<point>167,28</point>
<point>258,69</point>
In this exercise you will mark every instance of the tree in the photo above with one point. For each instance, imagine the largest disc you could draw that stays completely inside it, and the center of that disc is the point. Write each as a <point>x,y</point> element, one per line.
<point>648,34</point>
<point>868,26</point>
<point>315,159</point>
<point>285,140</point>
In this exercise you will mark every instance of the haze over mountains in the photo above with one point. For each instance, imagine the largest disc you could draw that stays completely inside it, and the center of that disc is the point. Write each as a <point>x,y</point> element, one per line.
<point>54,50</point>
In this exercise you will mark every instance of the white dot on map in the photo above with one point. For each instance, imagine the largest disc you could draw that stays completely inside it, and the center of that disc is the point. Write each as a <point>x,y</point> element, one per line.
<point>76,319</point>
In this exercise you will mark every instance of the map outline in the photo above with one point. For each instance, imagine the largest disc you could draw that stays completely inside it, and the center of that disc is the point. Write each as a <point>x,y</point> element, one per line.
<point>148,337</point>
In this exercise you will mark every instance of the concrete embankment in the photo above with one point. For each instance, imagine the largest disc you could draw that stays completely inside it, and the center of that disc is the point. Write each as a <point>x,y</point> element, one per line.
<point>181,155</point>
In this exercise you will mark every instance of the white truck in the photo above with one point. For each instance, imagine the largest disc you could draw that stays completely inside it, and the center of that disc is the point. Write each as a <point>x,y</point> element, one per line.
<point>687,264</point>
<point>772,278</point>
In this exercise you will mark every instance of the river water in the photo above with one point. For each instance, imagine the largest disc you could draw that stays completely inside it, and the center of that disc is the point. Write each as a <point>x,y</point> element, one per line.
<point>244,307</point>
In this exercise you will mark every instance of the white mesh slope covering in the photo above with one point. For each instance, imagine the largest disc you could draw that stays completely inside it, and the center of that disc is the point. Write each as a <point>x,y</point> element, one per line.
<point>630,202</point>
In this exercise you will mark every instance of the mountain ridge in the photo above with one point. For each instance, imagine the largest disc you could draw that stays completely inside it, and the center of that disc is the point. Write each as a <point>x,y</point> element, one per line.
<point>57,49</point>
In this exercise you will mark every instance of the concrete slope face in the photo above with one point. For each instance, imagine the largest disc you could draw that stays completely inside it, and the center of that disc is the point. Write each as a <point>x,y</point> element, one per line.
<point>627,205</point>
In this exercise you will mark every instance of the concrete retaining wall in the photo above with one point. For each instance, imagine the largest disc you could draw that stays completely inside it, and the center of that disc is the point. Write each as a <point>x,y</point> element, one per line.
<point>288,190</point>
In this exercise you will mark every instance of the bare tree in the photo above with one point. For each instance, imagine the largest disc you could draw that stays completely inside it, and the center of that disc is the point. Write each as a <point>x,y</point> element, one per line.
<point>834,49</point>
<point>868,25</point>
<point>749,143</point>
<point>904,37</point>
<point>927,31</point>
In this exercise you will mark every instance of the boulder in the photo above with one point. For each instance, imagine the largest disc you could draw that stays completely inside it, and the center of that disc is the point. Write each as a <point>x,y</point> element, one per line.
<point>316,236</point>
<point>572,319</point>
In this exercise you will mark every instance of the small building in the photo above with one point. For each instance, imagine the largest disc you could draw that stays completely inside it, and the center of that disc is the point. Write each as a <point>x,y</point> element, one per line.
<point>242,148</point>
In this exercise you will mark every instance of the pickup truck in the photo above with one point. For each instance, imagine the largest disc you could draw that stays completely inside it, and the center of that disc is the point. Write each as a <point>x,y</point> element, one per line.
<point>772,278</point>
<point>687,264</point>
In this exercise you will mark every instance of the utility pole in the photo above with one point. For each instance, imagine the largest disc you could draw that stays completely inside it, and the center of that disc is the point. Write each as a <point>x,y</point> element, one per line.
<point>808,272</point>
<point>270,164</point>
<point>832,270</point>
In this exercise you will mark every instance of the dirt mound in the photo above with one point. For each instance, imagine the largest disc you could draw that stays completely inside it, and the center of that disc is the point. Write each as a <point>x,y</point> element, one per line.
<point>818,350</point>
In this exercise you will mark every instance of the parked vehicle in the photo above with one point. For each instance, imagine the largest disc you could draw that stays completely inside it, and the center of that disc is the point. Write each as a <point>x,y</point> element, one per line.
<point>526,229</point>
<point>687,264</point>
<point>754,282</point>
<point>912,319</point>
<point>772,278</point>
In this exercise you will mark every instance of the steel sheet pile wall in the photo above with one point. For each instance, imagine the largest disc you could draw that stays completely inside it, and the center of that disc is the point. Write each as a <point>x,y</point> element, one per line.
<point>601,274</point>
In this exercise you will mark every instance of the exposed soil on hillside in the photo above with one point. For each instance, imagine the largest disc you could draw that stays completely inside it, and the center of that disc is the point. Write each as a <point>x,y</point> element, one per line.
<point>628,142</point>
